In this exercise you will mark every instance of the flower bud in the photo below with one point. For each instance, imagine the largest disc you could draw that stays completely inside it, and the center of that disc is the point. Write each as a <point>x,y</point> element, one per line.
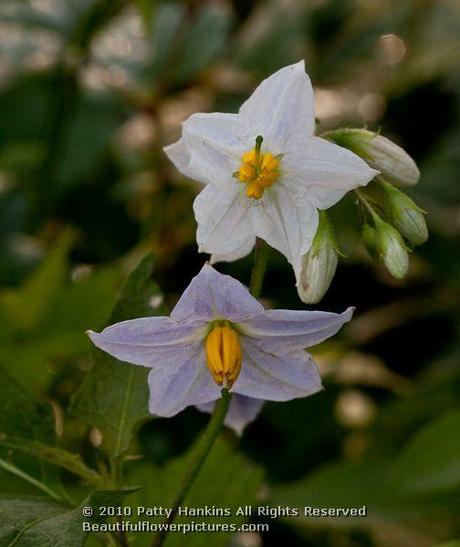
<point>319,264</point>
<point>394,163</point>
<point>386,245</point>
<point>405,215</point>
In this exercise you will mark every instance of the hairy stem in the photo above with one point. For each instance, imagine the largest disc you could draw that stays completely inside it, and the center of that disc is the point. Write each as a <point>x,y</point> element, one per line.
<point>201,452</point>
<point>216,422</point>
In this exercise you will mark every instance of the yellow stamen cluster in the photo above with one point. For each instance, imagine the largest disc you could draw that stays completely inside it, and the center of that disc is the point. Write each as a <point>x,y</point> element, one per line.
<point>258,171</point>
<point>223,354</point>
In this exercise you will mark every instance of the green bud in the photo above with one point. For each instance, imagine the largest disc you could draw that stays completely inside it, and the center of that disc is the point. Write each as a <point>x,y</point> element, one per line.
<point>405,215</point>
<point>319,264</point>
<point>394,163</point>
<point>386,245</point>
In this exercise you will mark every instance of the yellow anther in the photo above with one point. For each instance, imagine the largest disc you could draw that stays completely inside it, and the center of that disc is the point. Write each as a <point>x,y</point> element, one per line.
<point>269,162</point>
<point>267,178</point>
<point>254,189</point>
<point>258,171</point>
<point>247,172</point>
<point>223,355</point>
<point>250,157</point>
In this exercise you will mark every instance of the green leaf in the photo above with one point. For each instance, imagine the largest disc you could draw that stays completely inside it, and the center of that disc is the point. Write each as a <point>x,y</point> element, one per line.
<point>341,484</point>
<point>95,120</point>
<point>44,320</point>
<point>161,39</point>
<point>205,40</point>
<point>227,479</point>
<point>430,461</point>
<point>114,395</point>
<point>26,306</point>
<point>355,484</point>
<point>22,416</point>
<point>51,454</point>
<point>29,521</point>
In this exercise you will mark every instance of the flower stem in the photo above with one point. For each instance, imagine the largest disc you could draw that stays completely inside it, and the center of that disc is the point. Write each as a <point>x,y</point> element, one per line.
<point>260,265</point>
<point>362,198</point>
<point>216,422</point>
<point>198,458</point>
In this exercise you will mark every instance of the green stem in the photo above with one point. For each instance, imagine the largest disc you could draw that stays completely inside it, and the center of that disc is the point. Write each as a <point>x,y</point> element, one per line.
<point>198,458</point>
<point>25,476</point>
<point>260,265</point>
<point>364,200</point>
<point>216,422</point>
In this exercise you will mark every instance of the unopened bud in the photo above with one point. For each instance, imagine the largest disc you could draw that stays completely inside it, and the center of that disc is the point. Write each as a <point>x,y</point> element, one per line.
<point>386,245</point>
<point>405,215</point>
<point>394,163</point>
<point>319,264</point>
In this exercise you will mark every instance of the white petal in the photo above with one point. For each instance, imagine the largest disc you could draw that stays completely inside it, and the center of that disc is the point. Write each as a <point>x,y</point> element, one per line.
<point>151,341</point>
<point>285,224</point>
<point>282,108</point>
<point>273,376</point>
<point>210,148</point>
<point>245,248</point>
<point>224,226</point>
<point>294,329</point>
<point>212,295</point>
<point>323,172</point>
<point>242,411</point>
<point>172,390</point>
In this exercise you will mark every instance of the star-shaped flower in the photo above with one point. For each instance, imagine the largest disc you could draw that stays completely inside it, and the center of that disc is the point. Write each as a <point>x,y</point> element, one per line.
<point>266,174</point>
<point>219,335</point>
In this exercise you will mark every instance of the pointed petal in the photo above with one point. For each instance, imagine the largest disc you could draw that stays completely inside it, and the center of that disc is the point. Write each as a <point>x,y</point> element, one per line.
<point>210,148</point>
<point>224,227</point>
<point>294,329</point>
<point>266,374</point>
<point>150,341</point>
<point>282,108</point>
<point>212,295</point>
<point>323,172</point>
<point>286,225</point>
<point>175,388</point>
<point>242,411</point>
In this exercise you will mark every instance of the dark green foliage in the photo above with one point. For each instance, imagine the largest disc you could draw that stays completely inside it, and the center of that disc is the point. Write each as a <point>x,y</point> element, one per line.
<point>114,395</point>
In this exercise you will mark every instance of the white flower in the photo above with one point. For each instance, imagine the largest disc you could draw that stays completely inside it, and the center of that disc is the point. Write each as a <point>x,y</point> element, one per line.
<point>266,174</point>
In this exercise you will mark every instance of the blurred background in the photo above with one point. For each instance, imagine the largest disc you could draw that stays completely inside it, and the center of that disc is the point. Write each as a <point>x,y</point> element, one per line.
<point>90,92</point>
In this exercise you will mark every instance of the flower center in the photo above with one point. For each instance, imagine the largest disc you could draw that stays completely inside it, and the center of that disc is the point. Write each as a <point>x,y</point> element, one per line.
<point>258,170</point>
<point>223,354</point>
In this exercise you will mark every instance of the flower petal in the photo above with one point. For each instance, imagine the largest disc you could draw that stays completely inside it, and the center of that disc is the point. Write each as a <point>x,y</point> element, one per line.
<point>286,225</point>
<point>323,172</point>
<point>212,295</point>
<point>224,227</point>
<point>150,341</point>
<point>266,374</point>
<point>294,329</point>
<point>210,148</point>
<point>282,108</point>
<point>242,411</point>
<point>174,388</point>
<point>246,247</point>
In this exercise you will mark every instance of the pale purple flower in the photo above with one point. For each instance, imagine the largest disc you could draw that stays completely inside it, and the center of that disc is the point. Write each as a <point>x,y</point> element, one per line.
<point>274,363</point>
